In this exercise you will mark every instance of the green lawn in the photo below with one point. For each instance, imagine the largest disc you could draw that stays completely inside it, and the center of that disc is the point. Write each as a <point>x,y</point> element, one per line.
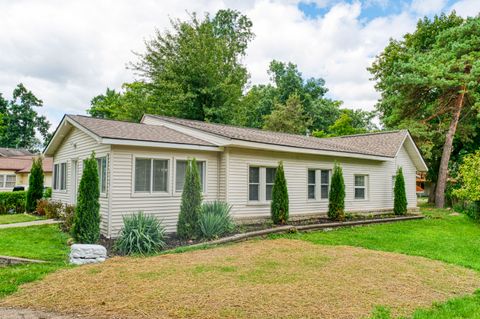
<point>441,236</point>
<point>17,218</point>
<point>37,242</point>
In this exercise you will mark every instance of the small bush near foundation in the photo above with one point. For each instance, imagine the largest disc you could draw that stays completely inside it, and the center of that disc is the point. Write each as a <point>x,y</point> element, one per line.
<point>66,216</point>
<point>141,234</point>
<point>400,199</point>
<point>215,219</point>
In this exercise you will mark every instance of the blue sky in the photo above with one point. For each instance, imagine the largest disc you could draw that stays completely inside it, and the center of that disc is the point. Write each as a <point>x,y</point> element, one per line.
<point>67,52</point>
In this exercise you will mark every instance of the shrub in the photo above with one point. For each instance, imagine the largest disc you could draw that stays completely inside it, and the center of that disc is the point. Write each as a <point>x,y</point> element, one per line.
<point>469,177</point>
<point>67,216</point>
<point>86,225</point>
<point>279,204</point>
<point>187,226</point>
<point>53,209</point>
<point>47,193</point>
<point>400,196</point>
<point>141,234</point>
<point>41,205</point>
<point>12,202</point>
<point>215,219</point>
<point>472,210</point>
<point>336,197</point>
<point>35,185</point>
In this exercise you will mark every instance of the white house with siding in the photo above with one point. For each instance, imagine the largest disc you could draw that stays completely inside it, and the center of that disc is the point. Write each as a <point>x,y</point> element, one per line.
<point>142,167</point>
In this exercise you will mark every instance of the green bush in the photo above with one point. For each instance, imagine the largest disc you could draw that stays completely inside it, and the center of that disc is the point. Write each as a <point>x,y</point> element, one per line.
<point>67,216</point>
<point>279,205</point>
<point>12,202</point>
<point>215,220</point>
<point>47,193</point>
<point>336,197</point>
<point>400,196</point>
<point>35,185</point>
<point>187,226</point>
<point>86,225</point>
<point>141,234</point>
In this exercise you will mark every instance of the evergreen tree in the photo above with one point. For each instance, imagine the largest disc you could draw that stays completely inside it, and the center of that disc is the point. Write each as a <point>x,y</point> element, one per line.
<point>86,225</point>
<point>336,197</point>
<point>400,199</point>
<point>279,205</point>
<point>187,227</point>
<point>35,185</point>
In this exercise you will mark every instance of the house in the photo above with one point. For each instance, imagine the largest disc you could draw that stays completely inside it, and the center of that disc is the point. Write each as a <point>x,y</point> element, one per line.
<point>15,170</point>
<point>142,167</point>
<point>12,152</point>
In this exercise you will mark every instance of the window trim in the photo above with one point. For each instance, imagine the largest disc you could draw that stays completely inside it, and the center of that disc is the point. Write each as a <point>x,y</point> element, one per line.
<point>310,184</point>
<point>318,183</point>
<point>57,184</point>
<point>3,182</point>
<point>100,172</point>
<point>151,193</point>
<point>262,189</point>
<point>174,172</point>
<point>365,187</point>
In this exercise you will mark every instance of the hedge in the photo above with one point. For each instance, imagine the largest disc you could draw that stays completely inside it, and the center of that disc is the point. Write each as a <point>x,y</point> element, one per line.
<point>12,202</point>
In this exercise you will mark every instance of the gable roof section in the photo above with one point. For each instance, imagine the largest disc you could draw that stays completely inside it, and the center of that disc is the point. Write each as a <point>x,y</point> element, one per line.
<point>384,144</point>
<point>23,164</point>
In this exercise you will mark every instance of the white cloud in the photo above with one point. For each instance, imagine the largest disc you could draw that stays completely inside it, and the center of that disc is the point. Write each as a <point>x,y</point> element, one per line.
<point>425,7</point>
<point>66,52</point>
<point>466,8</point>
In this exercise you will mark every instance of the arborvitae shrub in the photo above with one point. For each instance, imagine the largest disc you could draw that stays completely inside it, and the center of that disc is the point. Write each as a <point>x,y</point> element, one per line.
<point>187,226</point>
<point>336,197</point>
<point>400,196</point>
<point>86,225</point>
<point>35,185</point>
<point>279,205</point>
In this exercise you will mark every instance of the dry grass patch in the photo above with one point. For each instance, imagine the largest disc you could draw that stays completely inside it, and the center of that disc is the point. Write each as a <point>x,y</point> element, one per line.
<point>260,279</point>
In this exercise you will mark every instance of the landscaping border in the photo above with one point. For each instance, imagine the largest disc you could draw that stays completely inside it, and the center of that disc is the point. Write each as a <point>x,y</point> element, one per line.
<point>293,228</point>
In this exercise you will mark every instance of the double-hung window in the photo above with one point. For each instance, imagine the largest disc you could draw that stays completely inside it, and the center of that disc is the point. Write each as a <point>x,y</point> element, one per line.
<point>318,180</point>
<point>181,168</point>
<point>151,175</point>
<point>10,181</point>
<point>60,176</point>
<point>260,183</point>
<point>102,173</point>
<point>360,191</point>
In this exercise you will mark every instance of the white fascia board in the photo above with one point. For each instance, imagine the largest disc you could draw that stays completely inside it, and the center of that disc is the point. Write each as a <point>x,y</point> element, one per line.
<point>113,141</point>
<point>420,162</point>
<point>291,149</point>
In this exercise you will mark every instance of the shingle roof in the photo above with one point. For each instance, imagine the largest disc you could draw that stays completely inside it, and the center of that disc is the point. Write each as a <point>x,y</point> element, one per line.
<point>9,152</point>
<point>23,164</point>
<point>135,131</point>
<point>377,144</point>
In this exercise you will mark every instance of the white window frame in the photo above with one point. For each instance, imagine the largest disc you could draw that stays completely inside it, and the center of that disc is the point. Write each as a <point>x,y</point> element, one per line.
<point>262,189</point>
<point>101,172</point>
<point>365,187</point>
<point>314,184</point>
<point>60,177</point>
<point>198,160</point>
<point>150,192</point>
<point>259,192</point>
<point>5,177</point>
<point>319,184</point>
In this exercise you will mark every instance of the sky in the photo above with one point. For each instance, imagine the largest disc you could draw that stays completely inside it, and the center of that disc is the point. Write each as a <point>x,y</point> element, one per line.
<point>67,52</point>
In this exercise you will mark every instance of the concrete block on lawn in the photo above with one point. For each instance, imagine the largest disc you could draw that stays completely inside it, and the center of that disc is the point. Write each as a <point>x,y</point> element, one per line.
<point>81,254</point>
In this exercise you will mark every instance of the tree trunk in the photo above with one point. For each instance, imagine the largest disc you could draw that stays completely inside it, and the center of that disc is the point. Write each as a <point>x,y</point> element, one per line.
<point>447,151</point>
<point>431,194</point>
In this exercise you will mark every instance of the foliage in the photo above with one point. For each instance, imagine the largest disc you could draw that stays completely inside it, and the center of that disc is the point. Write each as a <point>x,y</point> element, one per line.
<point>470,177</point>
<point>35,185</point>
<point>49,208</point>
<point>288,118</point>
<point>67,216</point>
<point>141,234</point>
<point>279,207</point>
<point>20,123</point>
<point>400,195</point>
<point>47,193</point>
<point>428,81</point>
<point>194,71</point>
<point>12,202</point>
<point>86,225</point>
<point>349,122</point>
<point>336,196</point>
<point>187,227</point>
<point>215,219</point>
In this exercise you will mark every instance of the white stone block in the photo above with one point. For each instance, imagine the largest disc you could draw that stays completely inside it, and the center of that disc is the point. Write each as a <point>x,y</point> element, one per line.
<point>81,254</point>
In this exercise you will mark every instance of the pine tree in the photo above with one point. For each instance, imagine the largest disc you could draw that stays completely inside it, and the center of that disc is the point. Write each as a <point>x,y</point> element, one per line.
<point>86,225</point>
<point>35,185</point>
<point>400,199</point>
<point>336,198</point>
<point>187,226</point>
<point>279,205</point>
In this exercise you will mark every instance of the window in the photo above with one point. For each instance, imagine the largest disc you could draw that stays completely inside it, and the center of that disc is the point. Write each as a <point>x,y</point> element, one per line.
<point>2,179</point>
<point>181,168</point>
<point>393,185</point>
<point>254,184</point>
<point>269,181</point>
<point>102,173</point>
<point>60,176</point>
<point>324,183</point>
<point>311,184</point>
<point>10,181</point>
<point>151,175</point>
<point>360,186</point>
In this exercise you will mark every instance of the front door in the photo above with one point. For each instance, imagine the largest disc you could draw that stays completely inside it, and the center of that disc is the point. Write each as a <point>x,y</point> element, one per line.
<point>74,183</point>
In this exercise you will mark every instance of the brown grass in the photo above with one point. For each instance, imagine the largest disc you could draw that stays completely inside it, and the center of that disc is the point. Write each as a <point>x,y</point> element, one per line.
<point>260,279</point>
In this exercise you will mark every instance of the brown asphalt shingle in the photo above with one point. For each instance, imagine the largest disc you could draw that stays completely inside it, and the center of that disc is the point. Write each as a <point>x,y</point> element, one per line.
<point>377,144</point>
<point>135,131</point>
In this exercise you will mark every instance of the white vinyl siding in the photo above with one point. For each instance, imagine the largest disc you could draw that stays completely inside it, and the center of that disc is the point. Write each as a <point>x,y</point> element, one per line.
<point>360,190</point>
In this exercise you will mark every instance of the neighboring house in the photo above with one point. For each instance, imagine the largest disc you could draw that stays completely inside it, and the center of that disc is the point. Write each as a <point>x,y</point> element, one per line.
<point>142,167</point>
<point>12,152</point>
<point>15,171</point>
